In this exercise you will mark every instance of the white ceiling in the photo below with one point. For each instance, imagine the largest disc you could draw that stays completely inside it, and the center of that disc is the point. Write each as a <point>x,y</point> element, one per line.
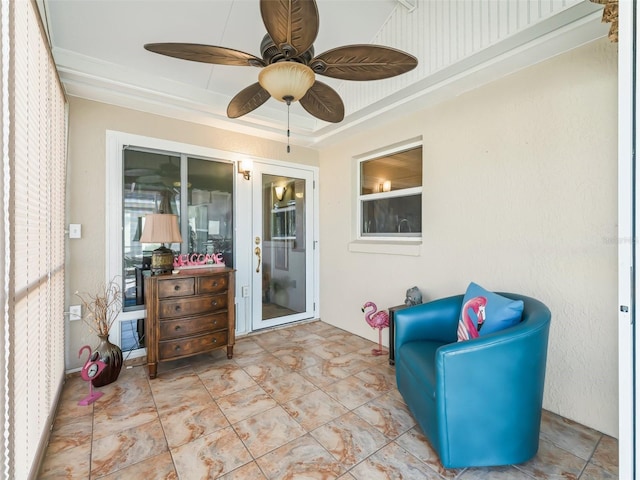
<point>460,44</point>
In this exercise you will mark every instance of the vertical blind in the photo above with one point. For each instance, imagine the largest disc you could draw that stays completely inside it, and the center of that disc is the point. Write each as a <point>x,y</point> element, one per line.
<point>33,199</point>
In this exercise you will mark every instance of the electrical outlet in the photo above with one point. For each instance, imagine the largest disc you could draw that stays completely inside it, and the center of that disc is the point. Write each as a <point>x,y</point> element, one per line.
<point>75,312</point>
<point>75,230</point>
<point>245,291</point>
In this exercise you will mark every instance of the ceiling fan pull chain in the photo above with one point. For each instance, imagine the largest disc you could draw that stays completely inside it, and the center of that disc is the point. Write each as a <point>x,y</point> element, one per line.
<point>288,100</point>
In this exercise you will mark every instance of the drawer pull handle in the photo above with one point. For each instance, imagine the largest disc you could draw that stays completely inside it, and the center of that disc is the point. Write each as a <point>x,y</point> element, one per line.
<point>176,288</point>
<point>215,284</point>
<point>215,340</point>
<point>214,303</point>
<point>178,307</point>
<point>178,327</point>
<point>177,348</point>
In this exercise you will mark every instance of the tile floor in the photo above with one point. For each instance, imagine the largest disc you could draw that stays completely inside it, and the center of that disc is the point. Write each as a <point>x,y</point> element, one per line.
<point>308,401</point>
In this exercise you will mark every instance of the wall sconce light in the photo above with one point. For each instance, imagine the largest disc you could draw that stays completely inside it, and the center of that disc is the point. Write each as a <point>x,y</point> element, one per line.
<point>386,186</point>
<point>280,191</point>
<point>244,167</point>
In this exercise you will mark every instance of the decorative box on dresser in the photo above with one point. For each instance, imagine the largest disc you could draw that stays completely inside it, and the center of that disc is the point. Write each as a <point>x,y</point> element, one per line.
<point>188,313</point>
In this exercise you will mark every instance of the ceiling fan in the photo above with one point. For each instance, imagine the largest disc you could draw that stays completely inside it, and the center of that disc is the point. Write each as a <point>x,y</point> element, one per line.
<point>289,65</point>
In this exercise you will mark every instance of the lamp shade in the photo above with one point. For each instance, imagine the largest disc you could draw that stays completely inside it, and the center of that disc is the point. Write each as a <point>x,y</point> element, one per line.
<point>286,79</point>
<point>161,228</point>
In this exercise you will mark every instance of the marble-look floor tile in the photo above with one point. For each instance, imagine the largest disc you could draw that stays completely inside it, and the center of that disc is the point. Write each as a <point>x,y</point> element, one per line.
<point>247,346</point>
<point>380,378</point>
<point>267,431</point>
<point>300,361</point>
<point>159,467</point>
<point>494,473</point>
<point>117,451</point>
<point>245,403</point>
<point>210,456</point>
<point>329,350</point>
<point>113,420</point>
<point>288,348</point>
<point>226,379</point>
<point>132,384</point>
<point>390,416</point>
<point>417,444</point>
<point>254,359</point>
<point>351,392</point>
<point>70,435</point>
<point>568,435</point>
<point>552,462</point>
<point>351,362</point>
<point>375,359</point>
<point>349,439</point>
<point>303,458</point>
<point>314,409</point>
<point>359,343</point>
<point>176,386</point>
<point>390,463</point>
<point>250,471</point>
<point>342,394</point>
<point>216,357</point>
<point>594,472</point>
<point>185,423</point>
<point>324,374</point>
<point>270,340</point>
<point>262,372</point>
<point>287,387</point>
<point>74,390</point>
<point>606,454</point>
<point>309,340</point>
<point>69,464</point>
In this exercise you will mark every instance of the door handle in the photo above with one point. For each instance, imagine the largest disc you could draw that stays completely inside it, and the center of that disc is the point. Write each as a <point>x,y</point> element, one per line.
<point>259,255</point>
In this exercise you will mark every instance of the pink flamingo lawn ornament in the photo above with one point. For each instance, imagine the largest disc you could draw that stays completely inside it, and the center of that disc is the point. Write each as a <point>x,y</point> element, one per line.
<point>377,320</point>
<point>91,369</point>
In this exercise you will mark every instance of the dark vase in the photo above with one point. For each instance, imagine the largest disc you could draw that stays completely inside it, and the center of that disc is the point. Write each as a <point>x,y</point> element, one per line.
<point>112,356</point>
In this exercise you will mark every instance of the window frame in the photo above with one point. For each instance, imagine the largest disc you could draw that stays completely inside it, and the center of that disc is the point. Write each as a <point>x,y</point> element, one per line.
<point>415,238</point>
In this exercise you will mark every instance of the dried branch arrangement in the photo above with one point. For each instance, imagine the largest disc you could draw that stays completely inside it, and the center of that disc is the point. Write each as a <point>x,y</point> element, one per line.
<point>102,308</point>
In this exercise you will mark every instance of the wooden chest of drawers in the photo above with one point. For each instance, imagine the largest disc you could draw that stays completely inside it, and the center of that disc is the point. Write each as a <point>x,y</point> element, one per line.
<point>189,313</point>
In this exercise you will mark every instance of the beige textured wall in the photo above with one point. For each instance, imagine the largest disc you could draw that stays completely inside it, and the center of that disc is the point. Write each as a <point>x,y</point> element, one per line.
<point>520,194</point>
<point>88,123</point>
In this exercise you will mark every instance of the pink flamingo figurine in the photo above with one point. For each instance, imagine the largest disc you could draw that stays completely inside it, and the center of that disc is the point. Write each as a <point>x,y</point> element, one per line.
<point>377,320</point>
<point>91,369</point>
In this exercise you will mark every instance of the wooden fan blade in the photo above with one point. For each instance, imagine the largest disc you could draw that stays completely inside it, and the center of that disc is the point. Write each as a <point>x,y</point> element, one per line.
<point>247,100</point>
<point>363,62</point>
<point>205,54</point>
<point>323,102</point>
<point>291,24</point>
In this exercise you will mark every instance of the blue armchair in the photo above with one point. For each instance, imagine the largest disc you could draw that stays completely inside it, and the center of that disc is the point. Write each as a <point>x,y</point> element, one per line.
<point>479,402</point>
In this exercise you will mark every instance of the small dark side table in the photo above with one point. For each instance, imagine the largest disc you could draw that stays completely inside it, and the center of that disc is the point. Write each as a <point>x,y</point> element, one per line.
<point>392,313</point>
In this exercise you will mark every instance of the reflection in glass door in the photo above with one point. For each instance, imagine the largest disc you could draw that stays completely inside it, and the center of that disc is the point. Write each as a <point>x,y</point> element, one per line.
<point>283,261</point>
<point>199,191</point>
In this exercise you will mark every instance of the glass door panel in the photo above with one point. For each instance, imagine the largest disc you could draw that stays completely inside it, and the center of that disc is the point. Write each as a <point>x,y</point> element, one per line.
<point>209,209</point>
<point>283,264</point>
<point>151,185</point>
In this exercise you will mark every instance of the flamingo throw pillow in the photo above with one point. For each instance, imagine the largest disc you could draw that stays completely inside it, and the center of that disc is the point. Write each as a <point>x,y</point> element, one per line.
<point>485,312</point>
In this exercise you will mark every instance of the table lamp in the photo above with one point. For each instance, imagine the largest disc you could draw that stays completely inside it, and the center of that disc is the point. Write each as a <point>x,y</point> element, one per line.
<point>161,228</point>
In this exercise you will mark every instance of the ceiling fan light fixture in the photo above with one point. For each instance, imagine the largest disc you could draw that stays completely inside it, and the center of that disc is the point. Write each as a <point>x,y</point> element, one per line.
<point>286,79</point>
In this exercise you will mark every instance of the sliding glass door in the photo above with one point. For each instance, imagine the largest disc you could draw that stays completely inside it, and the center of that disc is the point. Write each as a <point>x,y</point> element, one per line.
<point>199,191</point>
